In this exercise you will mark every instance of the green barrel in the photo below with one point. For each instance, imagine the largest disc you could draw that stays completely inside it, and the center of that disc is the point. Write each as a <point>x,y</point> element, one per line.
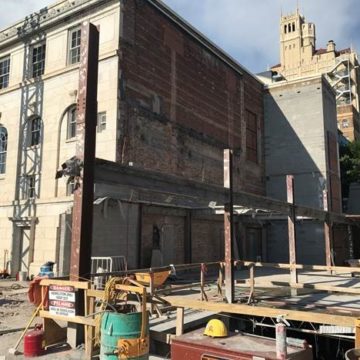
<point>116,326</point>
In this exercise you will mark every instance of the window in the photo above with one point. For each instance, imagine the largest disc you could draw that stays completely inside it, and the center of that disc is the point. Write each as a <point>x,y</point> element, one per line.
<point>293,27</point>
<point>30,187</point>
<point>38,60</point>
<point>285,29</point>
<point>35,131</point>
<point>4,72</point>
<point>101,121</point>
<point>3,149</point>
<point>74,45</point>
<point>71,123</point>
<point>289,28</point>
<point>251,137</point>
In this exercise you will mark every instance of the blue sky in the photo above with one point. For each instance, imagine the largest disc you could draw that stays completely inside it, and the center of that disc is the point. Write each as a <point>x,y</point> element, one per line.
<point>247,30</point>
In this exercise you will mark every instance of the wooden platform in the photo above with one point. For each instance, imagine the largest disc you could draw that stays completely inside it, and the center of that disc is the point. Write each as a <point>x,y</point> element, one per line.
<point>316,302</point>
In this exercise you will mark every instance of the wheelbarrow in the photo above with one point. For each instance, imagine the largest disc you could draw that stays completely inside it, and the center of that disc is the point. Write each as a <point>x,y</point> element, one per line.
<point>159,278</point>
<point>154,280</point>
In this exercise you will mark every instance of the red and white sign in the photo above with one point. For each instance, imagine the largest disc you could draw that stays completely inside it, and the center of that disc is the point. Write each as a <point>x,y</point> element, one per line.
<point>62,300</point>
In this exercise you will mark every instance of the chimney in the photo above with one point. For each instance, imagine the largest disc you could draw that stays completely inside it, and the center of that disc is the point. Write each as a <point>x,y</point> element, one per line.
<point>330,46</point>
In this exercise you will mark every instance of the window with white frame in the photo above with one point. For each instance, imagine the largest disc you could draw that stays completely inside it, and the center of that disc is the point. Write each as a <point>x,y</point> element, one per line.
<point>74,45</point>
<point>38,59</point>
<point>71,123</point>
<point>3,149</point>
<point>35,131</point>
<point>4,72</point>
<point>101,121</point>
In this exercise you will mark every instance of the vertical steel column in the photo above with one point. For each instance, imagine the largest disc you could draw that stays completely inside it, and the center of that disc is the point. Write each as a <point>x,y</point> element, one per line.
<point>85,150</point>
<point>327,230</point>
<point>187,238</point>
<point>229,227</point>
<point>292,231</point>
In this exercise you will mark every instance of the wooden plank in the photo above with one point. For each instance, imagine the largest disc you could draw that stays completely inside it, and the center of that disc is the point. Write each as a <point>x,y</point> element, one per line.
<point>98,294</point>
<point>76,284</point>
<point>129,288</point>
<point>357,334</point>
<point>89,330</point>
<point>53,332</point>
<point>74,319</point>
<point>317,287</point>
<point>338,269</point>
<point>296,315</point>
<point>179,321</point>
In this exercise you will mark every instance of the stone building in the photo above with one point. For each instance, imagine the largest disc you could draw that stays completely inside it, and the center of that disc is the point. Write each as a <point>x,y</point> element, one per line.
<point>169,100</point>
<point>300,58</point>
<point>301,140</point>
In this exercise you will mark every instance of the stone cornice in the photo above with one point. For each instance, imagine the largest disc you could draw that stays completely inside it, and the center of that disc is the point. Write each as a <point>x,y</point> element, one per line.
<point>45,17</point>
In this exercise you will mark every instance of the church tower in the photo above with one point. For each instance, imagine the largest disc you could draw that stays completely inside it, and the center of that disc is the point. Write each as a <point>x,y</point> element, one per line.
<point>297,41</point>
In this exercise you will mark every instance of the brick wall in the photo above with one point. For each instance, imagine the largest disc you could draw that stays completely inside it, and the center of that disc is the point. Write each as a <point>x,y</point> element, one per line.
<point>181,105</point>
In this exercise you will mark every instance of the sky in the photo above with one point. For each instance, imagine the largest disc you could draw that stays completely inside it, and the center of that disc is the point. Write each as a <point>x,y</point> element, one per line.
<point>246,30</point>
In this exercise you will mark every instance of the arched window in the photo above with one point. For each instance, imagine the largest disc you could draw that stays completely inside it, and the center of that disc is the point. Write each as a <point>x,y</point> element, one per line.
<point>71,123</point>
<point>3,149</point>
<point>293,27</point>
<point>35,131</point>
<point>289,27</point>
<point>285,29</point>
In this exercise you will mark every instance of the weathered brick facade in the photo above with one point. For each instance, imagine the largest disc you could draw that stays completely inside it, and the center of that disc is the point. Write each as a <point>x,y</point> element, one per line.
<point>181,104</point>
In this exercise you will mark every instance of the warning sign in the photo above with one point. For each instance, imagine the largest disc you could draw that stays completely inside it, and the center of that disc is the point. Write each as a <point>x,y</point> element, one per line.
<point>62,300</point>
<point>65,293</point>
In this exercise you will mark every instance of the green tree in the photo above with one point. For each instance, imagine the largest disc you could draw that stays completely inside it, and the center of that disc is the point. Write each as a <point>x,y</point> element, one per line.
<point>349,165</point>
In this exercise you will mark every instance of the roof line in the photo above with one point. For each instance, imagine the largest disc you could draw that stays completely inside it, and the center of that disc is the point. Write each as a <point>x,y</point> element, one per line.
<point>199,36</point>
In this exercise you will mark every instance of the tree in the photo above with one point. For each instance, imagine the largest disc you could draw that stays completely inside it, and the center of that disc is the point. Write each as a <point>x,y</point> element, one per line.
<point>349,165</point>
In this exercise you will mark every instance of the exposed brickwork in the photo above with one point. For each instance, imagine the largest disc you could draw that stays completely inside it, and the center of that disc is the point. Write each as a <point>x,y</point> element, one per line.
<point>171,234</point>
<point>181,105</point>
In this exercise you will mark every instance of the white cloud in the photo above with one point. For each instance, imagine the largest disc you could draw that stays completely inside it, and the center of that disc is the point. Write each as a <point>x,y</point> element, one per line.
<point>249,31</point>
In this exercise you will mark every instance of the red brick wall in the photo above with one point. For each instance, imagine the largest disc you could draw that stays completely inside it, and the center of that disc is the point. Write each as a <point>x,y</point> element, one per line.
<point>180,104</point>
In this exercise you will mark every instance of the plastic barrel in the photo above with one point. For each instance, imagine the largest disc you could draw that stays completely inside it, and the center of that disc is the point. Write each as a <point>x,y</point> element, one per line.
<point>126,327</point>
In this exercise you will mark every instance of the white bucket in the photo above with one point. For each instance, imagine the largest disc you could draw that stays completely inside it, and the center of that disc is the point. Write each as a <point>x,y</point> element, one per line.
<point>22,275</point>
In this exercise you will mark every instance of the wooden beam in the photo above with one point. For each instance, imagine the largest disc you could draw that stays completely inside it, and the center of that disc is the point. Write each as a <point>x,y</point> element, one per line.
<point>74,319</point>
<point>76,284</point>
<point>308,316</point>
<point>338,269</point>
<point>316,287</point>
<point>179,321</point>
<point>357,334</point>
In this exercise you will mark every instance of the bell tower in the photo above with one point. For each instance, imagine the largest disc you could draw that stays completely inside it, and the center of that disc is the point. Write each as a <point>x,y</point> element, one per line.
<point>292,31</point>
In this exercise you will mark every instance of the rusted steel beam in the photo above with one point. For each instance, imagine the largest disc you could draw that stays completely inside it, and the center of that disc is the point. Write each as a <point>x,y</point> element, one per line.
<point>229,228</point>
<point>80,265</point>
<point>327,230</point>
<point>291,229</point>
